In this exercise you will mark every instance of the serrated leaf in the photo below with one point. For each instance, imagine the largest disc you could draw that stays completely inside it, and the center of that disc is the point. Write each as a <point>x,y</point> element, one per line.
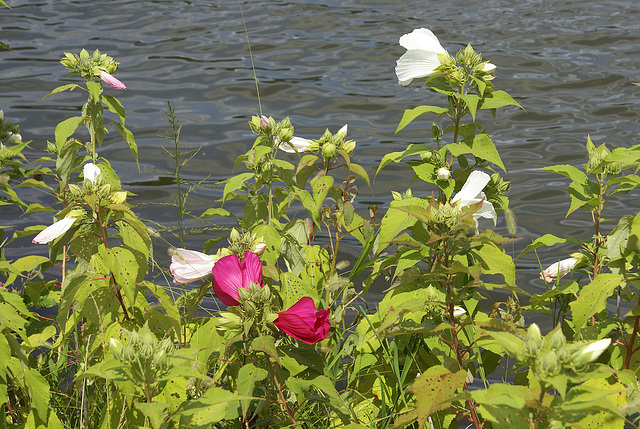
<point>246,381</point>
<point>593,297</point>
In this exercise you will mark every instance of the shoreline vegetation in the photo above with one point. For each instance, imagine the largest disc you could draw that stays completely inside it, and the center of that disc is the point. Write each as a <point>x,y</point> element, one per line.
<point>103,345</point>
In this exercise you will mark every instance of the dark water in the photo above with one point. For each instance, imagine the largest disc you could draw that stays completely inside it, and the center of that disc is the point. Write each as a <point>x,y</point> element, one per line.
<point>570,64</point>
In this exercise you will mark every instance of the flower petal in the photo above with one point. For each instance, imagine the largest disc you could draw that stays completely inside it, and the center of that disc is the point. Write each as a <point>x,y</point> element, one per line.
<point>91,172</point>
<point>54,231</point>
<point>296,142</point>
<point>422,38</point>
<point>251,269</point>
<point>558,269</point>
<point>227,279</point>
<point>415,64</point>
<point>303,322</point>
<point>470,192</point>
<point>188,266</point>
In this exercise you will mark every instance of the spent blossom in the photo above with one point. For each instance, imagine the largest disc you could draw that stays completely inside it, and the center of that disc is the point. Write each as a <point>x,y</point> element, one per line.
<point>558,269</point>
<point>91,172</point>
<point>229,276</point>
<point>303,322</point>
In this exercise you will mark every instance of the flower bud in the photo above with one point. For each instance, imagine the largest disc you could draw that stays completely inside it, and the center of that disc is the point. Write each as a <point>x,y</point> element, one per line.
<point>436,131</point>
<point>550,362</point>
<point>118,197</point>
<point>264,122</point>
<point>128,353</point>
<point>533,334</point>
<point>259,248</point>
<point>328,151</point>
<point>349,146</point>
<point>443,173</point>
<point>243,294</point>
<point>133,338</point>
<point>285,134</point>
<point>160,360</point>
<point>459,311</point>
<point>556,339</point>
<point>249,308</point>
<point>146,351</point>
<point>590,352</point>
<point>265,294</point>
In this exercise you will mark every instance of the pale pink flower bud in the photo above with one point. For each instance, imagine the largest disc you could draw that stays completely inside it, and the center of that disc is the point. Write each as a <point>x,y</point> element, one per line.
<point>111,81</point>
<point>264,122</point>
<point>559,269</point>
<point>259,248</point>
<point>54,231</point>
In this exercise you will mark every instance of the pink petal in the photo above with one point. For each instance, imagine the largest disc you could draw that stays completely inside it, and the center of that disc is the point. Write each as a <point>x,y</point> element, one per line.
<point>227,279</point>
<point>251,269</point>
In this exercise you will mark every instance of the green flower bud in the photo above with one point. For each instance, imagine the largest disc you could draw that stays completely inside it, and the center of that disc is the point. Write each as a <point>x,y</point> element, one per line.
<point>556,339</point>
<point>133,338</point>
<point>244,294</point>
<point>249,308</point>
<point>116,347</point>
<point>160,360</point>
<point>550,362</point>
<point>328,151</point>
<point>436,131</point>
<point>118,197</point>
<point>349,146</point>
<point>265,294</point>
<point>146,351</point>
<point>128,353</point>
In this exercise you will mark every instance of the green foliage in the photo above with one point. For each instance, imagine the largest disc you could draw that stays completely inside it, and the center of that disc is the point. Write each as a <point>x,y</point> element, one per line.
<point>120,351</point>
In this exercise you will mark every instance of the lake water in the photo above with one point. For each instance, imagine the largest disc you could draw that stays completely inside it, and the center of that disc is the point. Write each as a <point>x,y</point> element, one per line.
<point>570,64</point>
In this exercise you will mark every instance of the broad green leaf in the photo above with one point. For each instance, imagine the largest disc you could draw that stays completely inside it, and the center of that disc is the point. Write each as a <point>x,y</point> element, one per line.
<point>62,88</point>
<point>320,187</point>
<point>154,411</point>
<point>65,129</point>
<point>246,381</point>
<point>129,140</point>
<point>293,288</point>
<point>412,149</point>
<point>401,215</point>
<point>266,345</point>
<point>617,239</point>
<point>593,297</point>
<point>435,389</point>
<point>479,146</point>
<point>234,183</point>
<point>114,106</point>
<point>496,100</point>
<point>495,261</point>
<point>39,391</point>
<point>216,212</point>
<point>505,404</point>
<point>411,114</point>
<point>545,240</point>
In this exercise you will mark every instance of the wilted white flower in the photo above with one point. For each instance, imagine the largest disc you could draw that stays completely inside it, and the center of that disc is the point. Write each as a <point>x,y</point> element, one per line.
<point>188,265</point>
<point>54,231</point>
<point>559,269</point>
<point>471,193</point>
<point>443,173</point>
<point>591,352</point>
<point>300,144</point>
<point>421,58</point>
<point>91,172</point>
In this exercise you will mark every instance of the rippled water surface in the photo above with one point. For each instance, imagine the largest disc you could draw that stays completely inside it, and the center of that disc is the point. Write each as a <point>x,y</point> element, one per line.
<point>570,64</point>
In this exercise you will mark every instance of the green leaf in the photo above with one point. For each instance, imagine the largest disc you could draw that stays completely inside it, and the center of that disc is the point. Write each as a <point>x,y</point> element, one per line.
<point>495,261</point>
<point>234,183</point>
<point>114,106</point>
<point>480,146</point>
<point>216,212</point>
<point>62,88</point>
<point>65,129</point>
<point>39,391</point>
<point>266,345</point>
<point>247,377</point>
<point>411,114</point>
<point>545,240</point>
<point>154,411</point>
<point>497,99</point>
<point>129,140</point>
<point>293,288</point>
<point>320,187</point>
<point>401,215</point>
<point>593,297</point>
<point>412,149</point>
<point>435,390</point>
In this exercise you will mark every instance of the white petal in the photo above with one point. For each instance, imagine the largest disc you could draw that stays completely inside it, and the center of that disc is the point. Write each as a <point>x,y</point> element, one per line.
<point>559,269</point>
<point>471,190</point>
<point>297,142</point>
<point>488,67</point>
<point>91,172</point>
<point>343,130</point>
<point>459,311</point>
<point>595,349</point>
<point>415,64</point>
<point>54,231</point>
<point>422,38</point>
<point>188,265</point>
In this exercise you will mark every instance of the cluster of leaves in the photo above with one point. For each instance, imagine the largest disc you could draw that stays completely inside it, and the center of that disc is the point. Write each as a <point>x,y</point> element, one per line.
<point>89,341</point>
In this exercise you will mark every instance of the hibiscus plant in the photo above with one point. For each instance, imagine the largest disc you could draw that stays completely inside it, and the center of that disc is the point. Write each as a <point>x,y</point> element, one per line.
<point>92,338</point>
